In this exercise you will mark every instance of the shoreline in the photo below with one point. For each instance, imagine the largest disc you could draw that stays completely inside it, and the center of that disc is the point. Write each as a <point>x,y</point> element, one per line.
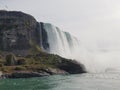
<point>30,74</point>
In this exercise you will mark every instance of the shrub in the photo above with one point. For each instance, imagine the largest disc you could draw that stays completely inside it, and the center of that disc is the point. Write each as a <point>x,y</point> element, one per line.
<point>20,68</point>
<point>1,65</point>
<point>10,60</point>
<point>21,62</point>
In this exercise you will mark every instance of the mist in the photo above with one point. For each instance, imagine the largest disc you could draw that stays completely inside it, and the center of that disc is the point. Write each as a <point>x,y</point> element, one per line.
<point>95,23</point>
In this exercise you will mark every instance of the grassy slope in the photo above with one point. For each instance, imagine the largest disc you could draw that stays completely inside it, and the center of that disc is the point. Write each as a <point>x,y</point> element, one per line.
<point>40,61</point>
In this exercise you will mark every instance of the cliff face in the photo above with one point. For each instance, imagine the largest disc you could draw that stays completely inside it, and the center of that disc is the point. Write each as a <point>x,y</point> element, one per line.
<point>23,36</point>
<point>17,31</point>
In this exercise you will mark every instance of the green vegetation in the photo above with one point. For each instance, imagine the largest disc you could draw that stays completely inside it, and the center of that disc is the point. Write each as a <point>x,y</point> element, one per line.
<point>20,68</point>
<point>19,35</point>
<point>10,60</point>
<point>21,61</point>
<point>37,62</point>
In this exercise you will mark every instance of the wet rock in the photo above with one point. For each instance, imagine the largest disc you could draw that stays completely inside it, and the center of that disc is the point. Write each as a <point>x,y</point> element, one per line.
<point>24,74</point>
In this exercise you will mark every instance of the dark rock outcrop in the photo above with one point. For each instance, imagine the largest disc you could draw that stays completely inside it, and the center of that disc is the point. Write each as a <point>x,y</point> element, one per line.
<point>42,36</point>
<point>67,65</point>
<point>29,74</point>
<point>23,74</point>
<point>71,66</point>
<point>44,39</point>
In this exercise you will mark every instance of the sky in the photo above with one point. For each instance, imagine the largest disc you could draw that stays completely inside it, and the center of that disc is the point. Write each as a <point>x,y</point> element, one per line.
<point>95,22</point>
<point>85,19</point>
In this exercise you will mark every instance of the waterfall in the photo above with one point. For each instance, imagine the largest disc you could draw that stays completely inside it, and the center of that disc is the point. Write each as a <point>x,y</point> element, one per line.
<point>62,43</point>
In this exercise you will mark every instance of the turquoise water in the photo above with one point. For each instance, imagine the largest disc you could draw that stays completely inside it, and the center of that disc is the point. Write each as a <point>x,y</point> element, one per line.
<point>101,81</point>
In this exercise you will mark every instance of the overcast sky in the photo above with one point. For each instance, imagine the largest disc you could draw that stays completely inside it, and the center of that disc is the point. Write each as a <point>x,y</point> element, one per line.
<point>92,21</point>
<point>95,22</point>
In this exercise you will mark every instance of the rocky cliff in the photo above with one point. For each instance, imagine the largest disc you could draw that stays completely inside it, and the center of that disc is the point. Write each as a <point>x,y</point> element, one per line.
<point>25,38</point>
<point>17,31</point>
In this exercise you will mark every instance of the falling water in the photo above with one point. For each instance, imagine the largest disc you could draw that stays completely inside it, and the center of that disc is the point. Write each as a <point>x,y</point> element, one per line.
<point>68,46</point>
<point>64,44</point>
<point>61,43</point>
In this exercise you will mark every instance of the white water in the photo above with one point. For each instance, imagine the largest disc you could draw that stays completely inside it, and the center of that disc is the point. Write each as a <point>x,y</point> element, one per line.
<point>61,43</point>
<point>66,45</point>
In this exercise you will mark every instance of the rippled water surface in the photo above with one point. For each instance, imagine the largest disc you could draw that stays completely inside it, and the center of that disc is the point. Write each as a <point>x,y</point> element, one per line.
<point>103,81</point>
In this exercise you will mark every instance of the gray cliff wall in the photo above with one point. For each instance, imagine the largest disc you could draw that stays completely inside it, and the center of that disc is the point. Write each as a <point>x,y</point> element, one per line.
<point>17,32</point>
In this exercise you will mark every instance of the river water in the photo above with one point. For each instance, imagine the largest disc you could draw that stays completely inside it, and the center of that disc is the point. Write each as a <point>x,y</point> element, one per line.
<point>99,81</point>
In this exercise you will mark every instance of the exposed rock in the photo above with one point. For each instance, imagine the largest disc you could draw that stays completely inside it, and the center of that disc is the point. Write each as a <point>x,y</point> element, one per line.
<point>71,66</point>
<point>29,74</point>
<point>45,43</point>
<point>17,31</point>
<point>53,71</point>
<point>24,74</point>
<point>66,65</point>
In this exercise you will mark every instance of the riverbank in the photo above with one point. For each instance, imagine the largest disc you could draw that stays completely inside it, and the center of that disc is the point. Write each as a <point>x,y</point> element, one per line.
<point>30,74</point>
<point>37,65</point>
